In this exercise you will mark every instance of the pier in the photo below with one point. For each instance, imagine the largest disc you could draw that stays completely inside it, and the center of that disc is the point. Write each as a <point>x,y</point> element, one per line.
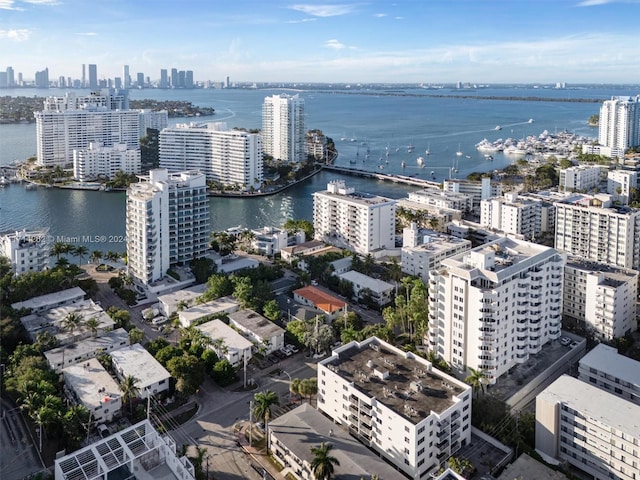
<point>387,177</point>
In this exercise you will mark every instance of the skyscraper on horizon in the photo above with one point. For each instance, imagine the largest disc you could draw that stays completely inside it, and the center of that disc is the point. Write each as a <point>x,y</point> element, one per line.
<point>164,79</point>
<point>84,76</point>
<point>126,78</point>
<point>283,130</point>
<point>93,76</point>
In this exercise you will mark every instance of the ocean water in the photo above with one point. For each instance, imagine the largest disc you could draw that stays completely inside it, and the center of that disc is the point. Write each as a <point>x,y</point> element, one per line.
<point>442,121</point>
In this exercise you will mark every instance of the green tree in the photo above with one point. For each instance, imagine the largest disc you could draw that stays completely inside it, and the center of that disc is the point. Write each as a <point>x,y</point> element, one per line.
<point>262,402</point>
<point>60,248</point>
<point>308,387</point>
<point>130,389</point>
<point>271,310</point>
<point>135,336</point>
<point>92,325</point>
<point>80,251</point>
<point>476,379</point>
<point>243,290</point>
<point>223,373</point>
<point>294,386</point>
<point>188,371</point>
<point>294,226</point>
<point>72,322</point>
<point>323,463</point>
<point>95,256</point>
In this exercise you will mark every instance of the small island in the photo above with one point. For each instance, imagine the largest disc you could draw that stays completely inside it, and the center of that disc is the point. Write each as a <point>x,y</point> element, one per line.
<point>20,109</point>
<point>594,120</point>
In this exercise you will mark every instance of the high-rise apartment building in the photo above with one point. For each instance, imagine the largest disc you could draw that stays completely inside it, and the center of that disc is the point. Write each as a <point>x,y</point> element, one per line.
<point>283,127</point>
<point>357,221</point>
<point>11,79</point>
<point>93,76</point>
<point>619,124</point>
<point>42,78</point>
<point>154,120</point>
<point>512,215</point>
<point>593,228</point>
<point>73,122</point>
<point>581,178</point>
<point>167,222</point>
<point>98,161</point>
<point>140,80</point>
<point>478,191</point>
<point>601,296</point>
<point>188,79</point>
<point>227,157</point>
<point>593,430</point>
<point>396,403</point>
<point>494,306</point>
<point>174,78</point>
<point>84,76</point>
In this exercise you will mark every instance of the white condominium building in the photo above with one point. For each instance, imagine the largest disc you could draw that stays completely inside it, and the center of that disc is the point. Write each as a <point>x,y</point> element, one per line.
<point>440,198</point>
<point>27,250</point>
<point>98,161</point>
<point>619,123</point>
<point>423,250</point>
<point>108,99</point>
<point>478,191</point>
<point>607,369</point>
<point>594,229</point>
<point>283,128</point>
<point>593,430</point>
<point>227,157</point>
<point>154,120</point>
<point>167,222</point>
<point>512,215</point>
<point>397,403</point>
<point>357,221</point>
<point>620,183</point>
<point>602,296</point>
<point>494,306</point>
<point>581,178</point>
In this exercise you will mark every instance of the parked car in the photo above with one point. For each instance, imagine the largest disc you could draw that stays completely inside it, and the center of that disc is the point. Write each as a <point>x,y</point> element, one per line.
<point>285,352</point>
<point>292,348</point>
<point>565,341</point>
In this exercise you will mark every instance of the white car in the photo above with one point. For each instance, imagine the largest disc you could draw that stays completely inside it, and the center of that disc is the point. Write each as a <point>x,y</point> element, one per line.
<point>565,341</point>
<point>291,348</point>
<point>285,352</point>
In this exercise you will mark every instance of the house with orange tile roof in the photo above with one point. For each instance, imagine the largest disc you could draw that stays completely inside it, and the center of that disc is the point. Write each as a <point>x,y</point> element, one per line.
<point>330,306</point>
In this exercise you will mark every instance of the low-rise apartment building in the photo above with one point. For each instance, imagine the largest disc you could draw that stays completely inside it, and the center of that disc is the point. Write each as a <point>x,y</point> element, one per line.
<point>258,329</point>
<point>330,306</point>
<point>379,291</point>
<point>27,250</point>
<point>593,430</point>
<point>134,360</point>
<point>226,342</point>
<point>605,368</point>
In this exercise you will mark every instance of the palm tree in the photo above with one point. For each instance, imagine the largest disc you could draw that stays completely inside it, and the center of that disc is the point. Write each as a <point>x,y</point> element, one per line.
<point>262,402</point>
<point>60,248</point>
<point>92,325</point>
<point>476,379</point>
<point>80,251</point>
<point>294,386</point>
<point>135,336</point>
<point>72,322</point>
<point>323,463</point>
<point>95,256</point>
<point>130,390</point>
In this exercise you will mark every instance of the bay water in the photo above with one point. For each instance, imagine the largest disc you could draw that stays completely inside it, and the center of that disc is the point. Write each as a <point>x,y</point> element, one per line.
<point>371,123</point>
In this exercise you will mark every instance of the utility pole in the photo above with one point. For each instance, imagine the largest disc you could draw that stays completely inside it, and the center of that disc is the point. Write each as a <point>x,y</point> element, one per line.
<point>250,422</point>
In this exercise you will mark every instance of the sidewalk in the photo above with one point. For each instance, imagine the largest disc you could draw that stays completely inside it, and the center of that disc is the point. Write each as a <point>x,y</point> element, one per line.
<point>257,456</point>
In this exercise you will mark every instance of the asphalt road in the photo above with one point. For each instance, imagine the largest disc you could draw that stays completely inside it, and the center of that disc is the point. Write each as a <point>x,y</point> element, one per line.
<point>213,425</point>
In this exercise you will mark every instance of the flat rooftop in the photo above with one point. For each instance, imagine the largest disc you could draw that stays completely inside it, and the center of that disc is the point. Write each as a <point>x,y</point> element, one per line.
<point>185,294</point>
<point>527,467</point>
<point>357,198</point>
<point>56,298</point>
<point>256,323</point>
<point>220,305</point>
<point>86,347</point>
<point>218,329</point>
<point>304,428</point>
<point>136,361</point>
<point>366,364</point>
<point>593,402</point>
<point>614,276</point>
<point>607,359</point>
<point>366,281</point>
<point>91,383</point>
<point>302,247</point>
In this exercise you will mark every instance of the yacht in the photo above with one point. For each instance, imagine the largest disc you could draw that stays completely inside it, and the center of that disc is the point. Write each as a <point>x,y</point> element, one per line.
<point>420,161</point>
<point>530,120</point>
<point>459,152</point>
<point>4,181</point>
<point>498,127</point>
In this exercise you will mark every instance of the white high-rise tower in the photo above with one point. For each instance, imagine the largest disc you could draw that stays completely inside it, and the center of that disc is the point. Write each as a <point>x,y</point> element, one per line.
<point>283,130</point>
<point>620,123</point>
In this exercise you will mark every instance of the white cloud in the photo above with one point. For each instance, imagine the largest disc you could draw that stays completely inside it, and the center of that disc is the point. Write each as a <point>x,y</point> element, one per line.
<point>380,15</point>
<point>323,10</point>
<point>86,34</point>
<point>303,20</point>
<point>42,2</point>
<point>16,35</point>
<point>594,3</point>
<point>7,5</point>
<point>335,44</point>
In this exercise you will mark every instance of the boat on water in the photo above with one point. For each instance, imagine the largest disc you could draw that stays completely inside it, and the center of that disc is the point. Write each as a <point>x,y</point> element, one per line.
<point>530,120</point>
<point>498,127</point>
<point>459,152</point>
<point>30,186</point>
<point>420,161</point>
<point>428,150</point>
<point>4,181</point>
<point>488,157</point>
<point>403,164</point>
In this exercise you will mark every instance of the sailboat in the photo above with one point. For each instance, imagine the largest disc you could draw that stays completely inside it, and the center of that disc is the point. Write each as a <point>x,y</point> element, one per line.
<point>420,162</point>
<point>428,150</point>
<point>459,152</point>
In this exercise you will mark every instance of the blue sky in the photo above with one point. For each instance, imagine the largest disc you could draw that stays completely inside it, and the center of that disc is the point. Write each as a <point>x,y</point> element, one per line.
<point>430,41</point>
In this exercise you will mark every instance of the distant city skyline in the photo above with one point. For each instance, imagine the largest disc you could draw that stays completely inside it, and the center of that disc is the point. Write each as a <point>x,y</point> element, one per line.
<point>406,41</point>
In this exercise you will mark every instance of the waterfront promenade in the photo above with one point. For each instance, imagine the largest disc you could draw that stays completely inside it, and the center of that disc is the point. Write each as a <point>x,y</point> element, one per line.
<point>388,177</point>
